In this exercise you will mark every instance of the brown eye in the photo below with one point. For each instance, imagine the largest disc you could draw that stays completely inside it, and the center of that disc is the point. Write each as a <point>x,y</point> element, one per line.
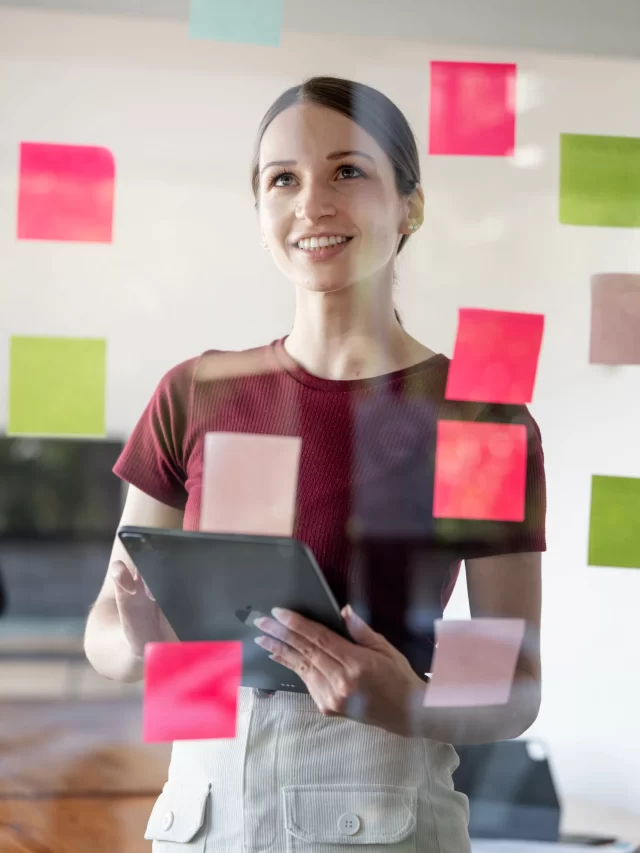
<point>354,172</point>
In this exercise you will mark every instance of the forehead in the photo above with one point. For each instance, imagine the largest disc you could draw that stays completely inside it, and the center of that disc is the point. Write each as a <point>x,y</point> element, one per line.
<point>308,130</point>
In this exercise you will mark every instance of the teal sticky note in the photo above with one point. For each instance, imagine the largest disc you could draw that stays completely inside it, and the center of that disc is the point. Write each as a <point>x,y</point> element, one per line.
<point>57,386</point>
<point>237,21</point>
<point>614,528</point>
<point>600,181</point>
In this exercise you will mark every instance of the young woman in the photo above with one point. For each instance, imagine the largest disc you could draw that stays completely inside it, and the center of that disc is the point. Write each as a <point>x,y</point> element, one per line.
<point>359,759</point>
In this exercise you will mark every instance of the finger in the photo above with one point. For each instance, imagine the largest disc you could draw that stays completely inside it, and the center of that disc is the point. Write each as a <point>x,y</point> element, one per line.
<point>122,577</point>
<point>300,653</point>
<point>324,639</point>
<point>147,590</point>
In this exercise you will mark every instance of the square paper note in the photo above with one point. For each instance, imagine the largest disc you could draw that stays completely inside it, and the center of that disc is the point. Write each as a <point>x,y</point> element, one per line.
<point>495,359</point>
<point>65,193</point>
<point>614,531</point>
<point>238,21</point>
<point>600,181</point>
<point>191,690</point>
<point>474,662</point>
<point>481,471</point>
<point>250,483</point>
<point>615,319</point>
<point>473,109</point>
<point>57,386</point>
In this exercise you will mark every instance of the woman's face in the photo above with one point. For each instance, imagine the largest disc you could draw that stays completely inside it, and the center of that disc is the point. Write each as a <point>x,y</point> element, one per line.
<point>324,181</point>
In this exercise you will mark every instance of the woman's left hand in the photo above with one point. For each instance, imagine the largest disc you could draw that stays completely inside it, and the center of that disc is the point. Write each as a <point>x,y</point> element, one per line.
<point>370,682</point>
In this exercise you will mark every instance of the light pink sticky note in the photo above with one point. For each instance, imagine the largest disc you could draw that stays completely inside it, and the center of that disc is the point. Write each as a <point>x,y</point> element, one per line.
<point>615,319</point>
<point>495,359</point>
<point>250,483</point>
<point>473,109</point>
<point>191,690</point>
<point>474,662</point>
<point>481,471</point>
<point>66,192</point>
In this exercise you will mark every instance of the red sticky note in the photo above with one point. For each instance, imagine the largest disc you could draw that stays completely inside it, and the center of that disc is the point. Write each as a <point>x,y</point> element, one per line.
<point>473,109</point>
<point>615,319</point>
<point>474,662</point>
<point>65,192</point>
<point>191,690</point>
<point>495,359</point>
<point>250,483</point>
<point>481,471</point>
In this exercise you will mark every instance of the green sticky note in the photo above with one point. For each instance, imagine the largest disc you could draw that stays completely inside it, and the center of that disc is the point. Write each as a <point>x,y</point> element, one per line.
<point>57,386</point>
<point>600,181</point>
<point>238,21</point>
<point>614,529</point>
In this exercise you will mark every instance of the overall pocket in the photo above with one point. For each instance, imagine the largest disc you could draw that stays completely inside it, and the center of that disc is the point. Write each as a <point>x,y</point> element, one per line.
<point>178,818</point>
<point>334,818</point>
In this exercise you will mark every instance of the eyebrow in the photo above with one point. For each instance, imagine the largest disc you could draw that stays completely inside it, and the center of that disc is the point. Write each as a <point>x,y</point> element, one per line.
<point>335,155</point>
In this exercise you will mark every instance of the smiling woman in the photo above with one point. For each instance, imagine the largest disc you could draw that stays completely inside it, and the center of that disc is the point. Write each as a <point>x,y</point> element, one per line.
<point>381,154</point>
<point>358,759</point>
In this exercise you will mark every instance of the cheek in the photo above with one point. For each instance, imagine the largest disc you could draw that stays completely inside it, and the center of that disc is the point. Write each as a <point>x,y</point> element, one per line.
<point>272,218</point>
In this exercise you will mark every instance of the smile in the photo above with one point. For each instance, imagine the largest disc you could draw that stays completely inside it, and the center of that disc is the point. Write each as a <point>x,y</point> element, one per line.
<point>312,244</point>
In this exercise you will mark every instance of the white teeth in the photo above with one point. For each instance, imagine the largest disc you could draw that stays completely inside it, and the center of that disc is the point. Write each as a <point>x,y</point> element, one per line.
<point>311,243</point>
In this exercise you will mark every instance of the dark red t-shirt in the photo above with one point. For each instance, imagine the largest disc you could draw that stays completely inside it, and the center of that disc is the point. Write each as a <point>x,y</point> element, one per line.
<point>365,491</point>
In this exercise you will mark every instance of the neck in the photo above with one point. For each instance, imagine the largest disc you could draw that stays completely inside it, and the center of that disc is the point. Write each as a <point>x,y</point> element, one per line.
<point>337,336</point>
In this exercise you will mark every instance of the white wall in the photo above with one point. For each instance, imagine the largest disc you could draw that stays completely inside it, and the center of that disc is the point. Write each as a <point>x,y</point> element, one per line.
<point>186,272</point>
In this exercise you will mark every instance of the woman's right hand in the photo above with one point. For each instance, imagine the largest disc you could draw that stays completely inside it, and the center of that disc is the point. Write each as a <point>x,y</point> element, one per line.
<point>141,619</point>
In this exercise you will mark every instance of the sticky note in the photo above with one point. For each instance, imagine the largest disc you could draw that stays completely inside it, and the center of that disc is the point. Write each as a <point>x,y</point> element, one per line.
<point>240,21</point>
<point>495,359</point>
<point>615,319</point>
<point>250,483</point>
<point>57,386</point>
<point>392,485</point>
<point>480,471</point>
<point>600,180</point>
<point>614,526</point>
<point>473,109</point>
<point>191,690</point>
<point>66,192</point>
<point>474,663</point>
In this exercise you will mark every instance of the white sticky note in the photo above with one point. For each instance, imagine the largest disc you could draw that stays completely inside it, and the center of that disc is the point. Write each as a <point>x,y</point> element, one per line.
<point>250,483</point>
<point>474,662</point>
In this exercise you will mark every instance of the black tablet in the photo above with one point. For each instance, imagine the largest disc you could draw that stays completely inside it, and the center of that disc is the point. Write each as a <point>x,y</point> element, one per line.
<point>212,586</point>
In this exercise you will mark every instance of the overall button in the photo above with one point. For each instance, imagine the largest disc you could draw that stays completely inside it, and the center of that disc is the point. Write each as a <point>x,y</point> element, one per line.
<point>167,821</point>
<point>349,824</point>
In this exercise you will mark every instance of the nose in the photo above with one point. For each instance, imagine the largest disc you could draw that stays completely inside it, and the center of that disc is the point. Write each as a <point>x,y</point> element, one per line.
<point>314,202</point>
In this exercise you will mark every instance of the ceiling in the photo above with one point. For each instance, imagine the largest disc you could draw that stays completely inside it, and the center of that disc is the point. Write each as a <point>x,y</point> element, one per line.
<point>600,27</point>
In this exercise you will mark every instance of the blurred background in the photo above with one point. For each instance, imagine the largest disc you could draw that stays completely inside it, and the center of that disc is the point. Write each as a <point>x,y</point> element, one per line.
<point>183,271</point>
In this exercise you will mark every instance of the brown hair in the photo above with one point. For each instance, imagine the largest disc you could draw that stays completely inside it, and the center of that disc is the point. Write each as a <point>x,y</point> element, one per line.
<point>367,107</point>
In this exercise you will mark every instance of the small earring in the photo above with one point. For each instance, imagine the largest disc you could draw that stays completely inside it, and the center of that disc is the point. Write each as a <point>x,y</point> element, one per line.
<point>413,227</point>
<point>265,245</point>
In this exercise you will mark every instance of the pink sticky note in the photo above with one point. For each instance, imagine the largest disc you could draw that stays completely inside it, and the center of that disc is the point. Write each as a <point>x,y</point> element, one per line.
<point>250,483</point>
<point>481,471</point>
<point>495,359</point>
<point>191,690</point>
<point>473,109</point>
<point>474,662</point>
<point>65,193</point>
<point>615,319</point>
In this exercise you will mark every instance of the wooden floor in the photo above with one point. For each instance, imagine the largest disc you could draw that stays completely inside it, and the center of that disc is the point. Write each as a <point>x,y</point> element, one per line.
<point>75,776</point>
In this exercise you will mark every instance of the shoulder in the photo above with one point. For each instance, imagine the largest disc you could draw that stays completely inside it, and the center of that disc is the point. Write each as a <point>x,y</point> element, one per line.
<point>223,365</point>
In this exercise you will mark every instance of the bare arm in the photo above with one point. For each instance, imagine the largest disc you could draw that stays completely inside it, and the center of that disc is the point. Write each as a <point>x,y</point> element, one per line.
<point>115,649</point>
<point>508,586</point>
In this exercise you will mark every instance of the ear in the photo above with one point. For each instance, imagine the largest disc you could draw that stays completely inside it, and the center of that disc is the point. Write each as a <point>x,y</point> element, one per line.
<point>415,211</point>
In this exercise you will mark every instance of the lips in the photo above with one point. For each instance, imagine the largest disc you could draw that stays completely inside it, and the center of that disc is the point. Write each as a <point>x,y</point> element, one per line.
<point>321,241</point>
<point>324,253</point>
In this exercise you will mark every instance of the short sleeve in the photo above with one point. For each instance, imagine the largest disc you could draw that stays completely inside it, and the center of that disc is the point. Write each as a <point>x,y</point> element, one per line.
<point>153,458</point>
<point>477,539</point>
